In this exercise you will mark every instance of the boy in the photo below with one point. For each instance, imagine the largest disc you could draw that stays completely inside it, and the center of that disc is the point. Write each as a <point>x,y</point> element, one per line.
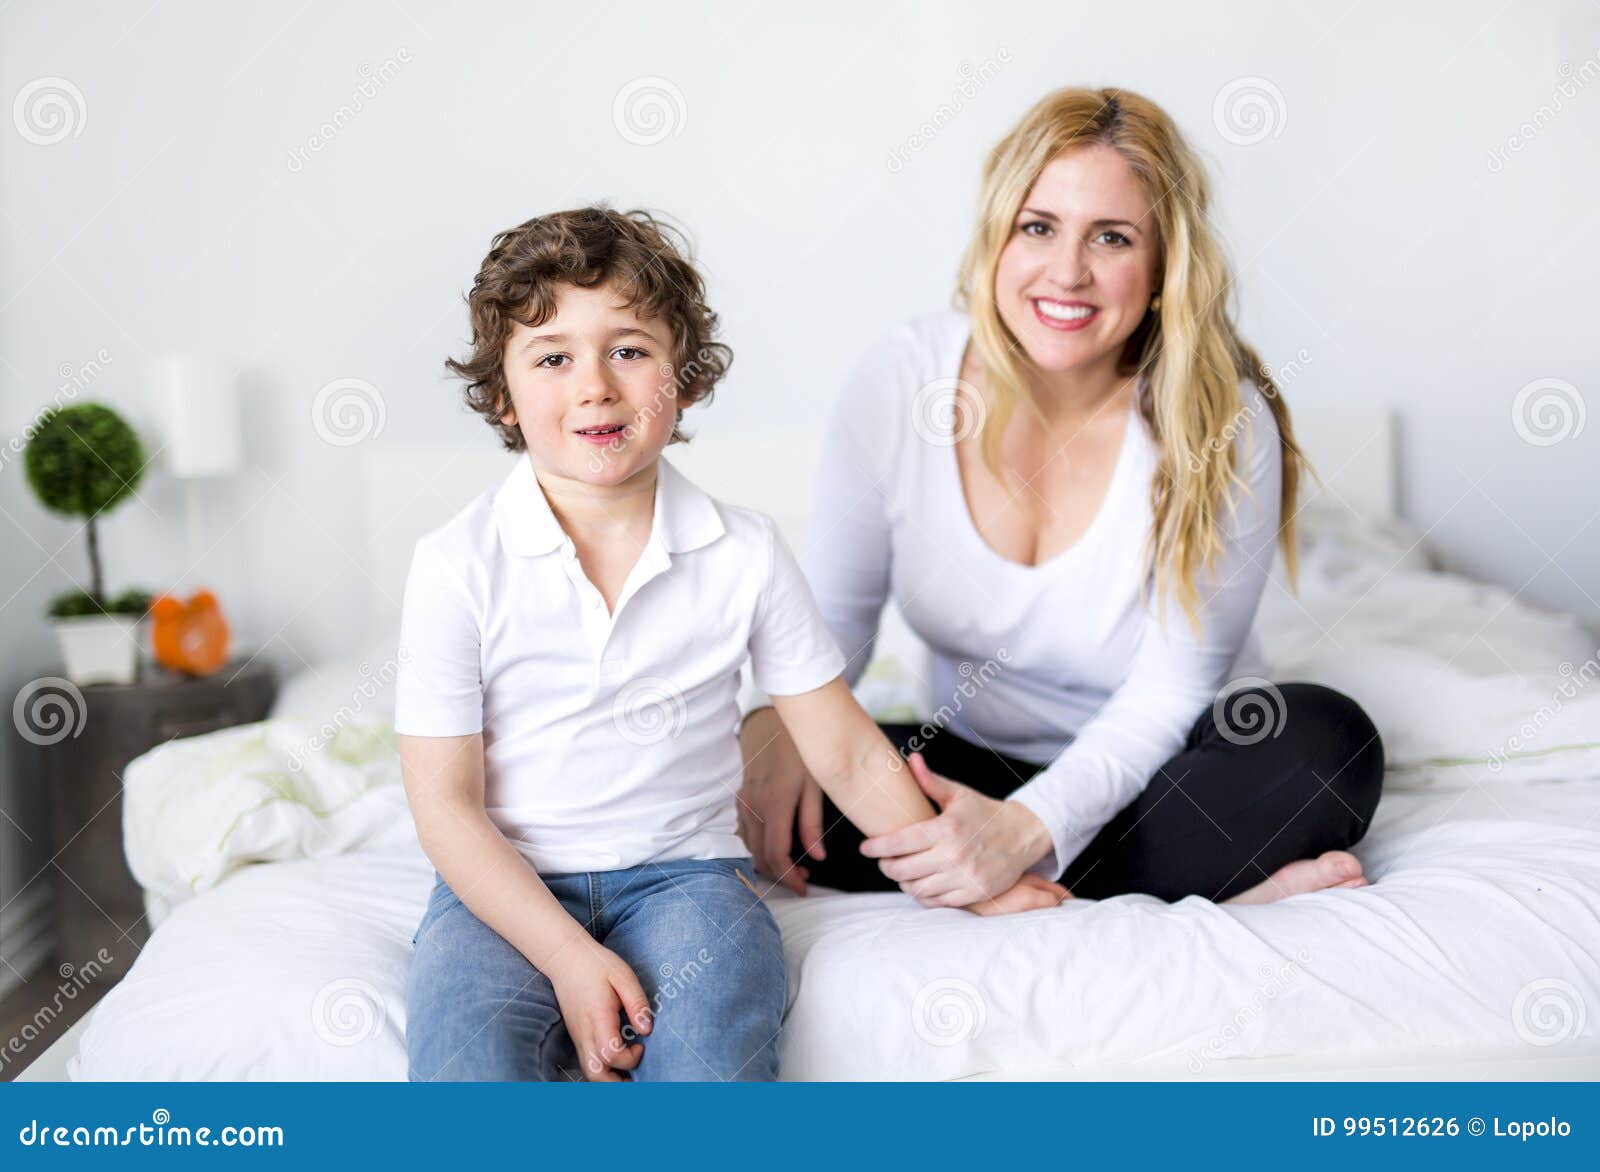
<point>567,708</point>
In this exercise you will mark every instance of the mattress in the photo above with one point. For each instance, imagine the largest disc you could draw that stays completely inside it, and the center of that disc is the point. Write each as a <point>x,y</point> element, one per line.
<point>284,879</point>
<point>1479,938</point>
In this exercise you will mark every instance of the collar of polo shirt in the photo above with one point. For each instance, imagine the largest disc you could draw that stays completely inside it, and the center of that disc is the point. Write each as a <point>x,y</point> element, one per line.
<point>685,517</point>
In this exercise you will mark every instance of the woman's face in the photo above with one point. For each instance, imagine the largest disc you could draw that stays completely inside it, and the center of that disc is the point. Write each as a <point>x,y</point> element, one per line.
<point>1077,275</point>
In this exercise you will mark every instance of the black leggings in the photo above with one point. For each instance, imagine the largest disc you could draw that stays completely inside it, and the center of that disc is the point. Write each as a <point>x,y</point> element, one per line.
<point>1216,819</point>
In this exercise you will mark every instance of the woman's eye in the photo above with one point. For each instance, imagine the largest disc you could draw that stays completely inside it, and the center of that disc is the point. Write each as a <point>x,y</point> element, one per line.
<point>628,353</point>
<point>551,361</point>
<point>1028,228</point>
<point>1116,238</point>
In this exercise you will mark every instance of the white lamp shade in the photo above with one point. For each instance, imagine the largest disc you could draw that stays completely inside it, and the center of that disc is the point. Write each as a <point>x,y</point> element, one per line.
<point>199,406</point>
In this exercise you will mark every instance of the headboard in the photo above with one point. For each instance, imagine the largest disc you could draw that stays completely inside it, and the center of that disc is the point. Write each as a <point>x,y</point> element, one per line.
<point>411,490</point>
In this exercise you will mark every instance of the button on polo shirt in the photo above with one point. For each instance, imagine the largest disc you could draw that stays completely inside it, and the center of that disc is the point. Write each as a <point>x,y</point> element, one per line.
<point>610,739</point>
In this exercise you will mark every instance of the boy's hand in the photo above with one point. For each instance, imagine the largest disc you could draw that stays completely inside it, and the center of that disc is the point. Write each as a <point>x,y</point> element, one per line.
<point>594,986</point>
<point>1028,894</point>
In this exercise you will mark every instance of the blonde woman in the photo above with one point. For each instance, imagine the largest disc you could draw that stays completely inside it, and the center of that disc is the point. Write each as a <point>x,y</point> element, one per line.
<point>1072,488</point>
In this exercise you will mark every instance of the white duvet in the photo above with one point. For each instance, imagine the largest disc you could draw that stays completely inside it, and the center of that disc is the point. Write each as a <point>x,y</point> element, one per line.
<point>1480,931</point>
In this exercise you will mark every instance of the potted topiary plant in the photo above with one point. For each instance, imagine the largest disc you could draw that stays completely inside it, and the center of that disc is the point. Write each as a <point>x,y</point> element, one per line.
<point>83,461</point>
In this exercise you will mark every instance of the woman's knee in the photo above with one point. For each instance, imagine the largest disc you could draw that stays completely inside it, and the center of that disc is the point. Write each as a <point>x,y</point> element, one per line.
<point>1339,743</point>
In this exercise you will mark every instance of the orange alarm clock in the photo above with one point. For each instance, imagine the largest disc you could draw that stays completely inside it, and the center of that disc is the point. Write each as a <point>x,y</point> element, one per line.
<point>191,636</point>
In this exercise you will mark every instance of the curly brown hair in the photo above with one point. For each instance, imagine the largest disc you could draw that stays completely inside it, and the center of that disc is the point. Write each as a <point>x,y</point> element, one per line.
<point>647,260</point>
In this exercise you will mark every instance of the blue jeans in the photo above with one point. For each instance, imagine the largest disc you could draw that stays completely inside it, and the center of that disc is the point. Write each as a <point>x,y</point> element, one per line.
<point>702,944</point>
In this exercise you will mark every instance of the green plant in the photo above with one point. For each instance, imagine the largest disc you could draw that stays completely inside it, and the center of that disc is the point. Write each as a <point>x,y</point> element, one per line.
<point>133,602</point>
<point>82,461</point>
<point>73,604</point>
<point>76,603</point>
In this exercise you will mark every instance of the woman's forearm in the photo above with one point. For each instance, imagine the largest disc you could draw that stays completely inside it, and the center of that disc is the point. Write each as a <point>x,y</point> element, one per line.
<point>497,883</point>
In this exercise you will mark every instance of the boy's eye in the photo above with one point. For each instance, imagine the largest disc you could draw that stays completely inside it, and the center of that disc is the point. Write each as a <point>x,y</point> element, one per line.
<point>628,353</point>
<point>551,361</point>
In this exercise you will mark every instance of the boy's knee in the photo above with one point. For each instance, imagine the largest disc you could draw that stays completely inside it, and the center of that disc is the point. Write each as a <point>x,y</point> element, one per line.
<point>486,1052</point>
<point>719,1005</point>
<point>715,1041</point>
<point>493,1020</point>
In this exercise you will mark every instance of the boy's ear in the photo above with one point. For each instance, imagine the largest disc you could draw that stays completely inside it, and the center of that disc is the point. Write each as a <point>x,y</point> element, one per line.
<point>509,417</point>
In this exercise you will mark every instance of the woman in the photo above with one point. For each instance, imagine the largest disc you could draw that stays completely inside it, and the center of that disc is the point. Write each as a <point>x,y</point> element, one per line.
<point>1071,490</point>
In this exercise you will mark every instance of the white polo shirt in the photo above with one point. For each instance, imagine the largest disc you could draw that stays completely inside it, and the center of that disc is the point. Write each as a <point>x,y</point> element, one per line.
<point>609,740</point>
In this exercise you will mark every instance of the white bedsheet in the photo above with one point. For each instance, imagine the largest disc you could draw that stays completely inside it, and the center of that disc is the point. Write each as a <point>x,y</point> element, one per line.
<point>1481,930</point>
<point>1480,933</point>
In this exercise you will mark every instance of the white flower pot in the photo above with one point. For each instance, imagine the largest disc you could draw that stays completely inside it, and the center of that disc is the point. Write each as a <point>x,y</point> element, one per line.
<point>99,649</point>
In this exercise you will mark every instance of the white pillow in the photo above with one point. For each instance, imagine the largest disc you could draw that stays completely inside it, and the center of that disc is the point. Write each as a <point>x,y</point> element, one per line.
<point>360,687</point>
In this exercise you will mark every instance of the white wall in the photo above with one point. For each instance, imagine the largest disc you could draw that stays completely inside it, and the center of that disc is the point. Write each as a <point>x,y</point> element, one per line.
<point>1370,229</point>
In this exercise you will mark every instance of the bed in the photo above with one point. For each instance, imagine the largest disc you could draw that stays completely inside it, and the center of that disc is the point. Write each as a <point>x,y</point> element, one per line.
<point>284,879</point>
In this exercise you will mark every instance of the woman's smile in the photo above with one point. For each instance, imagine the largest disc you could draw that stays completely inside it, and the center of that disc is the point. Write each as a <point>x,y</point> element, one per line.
<point>1064,315</point>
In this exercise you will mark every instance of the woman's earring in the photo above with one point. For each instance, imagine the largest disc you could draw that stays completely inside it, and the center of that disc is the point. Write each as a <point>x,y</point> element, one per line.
<point>1155,302</point>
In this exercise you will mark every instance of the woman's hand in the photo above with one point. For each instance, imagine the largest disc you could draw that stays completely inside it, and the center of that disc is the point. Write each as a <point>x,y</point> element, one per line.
<point>976,850</point>
<point>1030,894</point>
<point>594,986</point>
<point>777,788</point>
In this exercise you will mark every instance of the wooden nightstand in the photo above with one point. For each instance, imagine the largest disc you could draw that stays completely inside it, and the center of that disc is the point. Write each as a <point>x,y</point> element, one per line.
<point>98,904</point>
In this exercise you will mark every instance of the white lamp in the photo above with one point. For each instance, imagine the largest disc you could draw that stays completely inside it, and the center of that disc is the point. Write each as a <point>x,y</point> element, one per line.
<point>198,402</point>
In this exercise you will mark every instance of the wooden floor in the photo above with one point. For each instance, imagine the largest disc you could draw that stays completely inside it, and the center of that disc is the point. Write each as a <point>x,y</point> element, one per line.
<point>34,1015</point>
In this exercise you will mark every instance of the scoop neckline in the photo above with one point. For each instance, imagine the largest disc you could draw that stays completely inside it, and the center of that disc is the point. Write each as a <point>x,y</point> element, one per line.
<point>970,527</point>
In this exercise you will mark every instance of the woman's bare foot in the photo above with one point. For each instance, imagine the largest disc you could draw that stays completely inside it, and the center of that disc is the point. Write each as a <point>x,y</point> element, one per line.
<point>1329,869</point>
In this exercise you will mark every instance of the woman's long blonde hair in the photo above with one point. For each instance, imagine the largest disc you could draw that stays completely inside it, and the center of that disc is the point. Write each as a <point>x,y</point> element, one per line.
<point>1189,349</point>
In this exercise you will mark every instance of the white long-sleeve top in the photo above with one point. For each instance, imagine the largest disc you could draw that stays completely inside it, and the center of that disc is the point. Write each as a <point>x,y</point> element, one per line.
<point>1059,662</point>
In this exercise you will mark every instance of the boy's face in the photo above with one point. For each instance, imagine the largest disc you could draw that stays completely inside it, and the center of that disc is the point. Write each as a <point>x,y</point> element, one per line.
<point>595,365</point>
